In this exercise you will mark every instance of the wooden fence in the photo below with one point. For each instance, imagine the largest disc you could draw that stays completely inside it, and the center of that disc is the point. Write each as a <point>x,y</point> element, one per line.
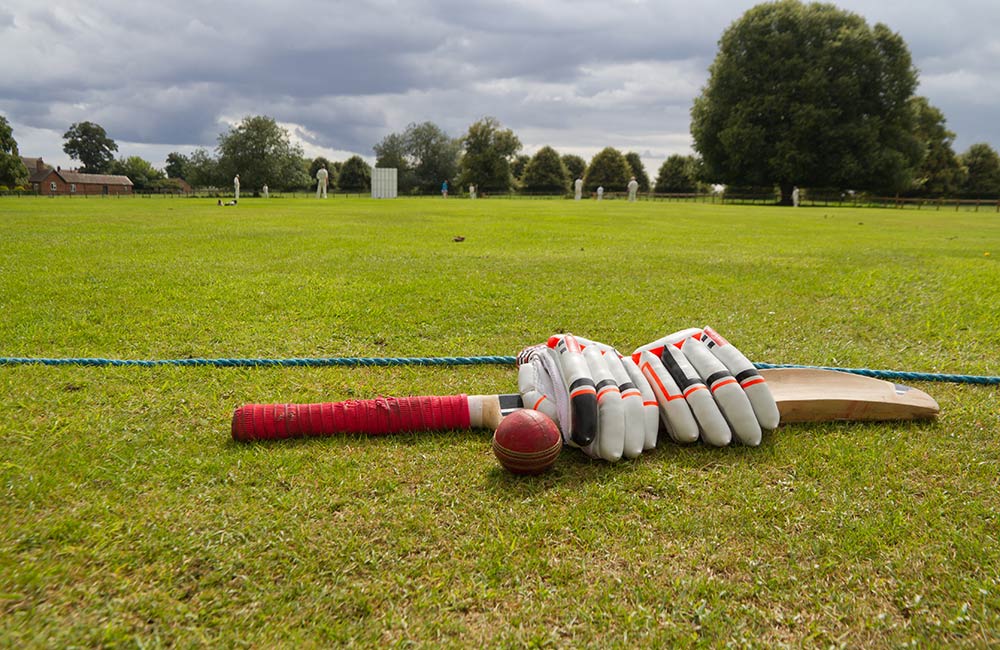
<point>844,200</point>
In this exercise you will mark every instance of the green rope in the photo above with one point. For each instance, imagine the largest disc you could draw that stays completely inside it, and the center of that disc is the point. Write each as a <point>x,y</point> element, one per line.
<point>897,374</point>
<point>257,363</point>
<point>353,362</point>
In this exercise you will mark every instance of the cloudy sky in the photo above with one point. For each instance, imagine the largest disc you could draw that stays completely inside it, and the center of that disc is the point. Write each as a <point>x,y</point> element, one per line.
<point>578,76</point>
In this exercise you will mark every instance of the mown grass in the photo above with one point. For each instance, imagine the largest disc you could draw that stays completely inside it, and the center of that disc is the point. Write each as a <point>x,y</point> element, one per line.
<point>131,519</point>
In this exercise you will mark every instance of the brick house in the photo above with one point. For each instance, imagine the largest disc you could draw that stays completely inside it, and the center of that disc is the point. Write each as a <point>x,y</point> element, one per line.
<point>52,182</point>
<point>33,165</point>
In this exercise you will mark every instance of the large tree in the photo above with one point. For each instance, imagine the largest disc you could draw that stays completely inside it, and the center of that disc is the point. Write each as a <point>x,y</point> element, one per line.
<point>355,175</point>
<point>177,165</point>
<point>678,175</point>
<point>808,95</point>
<point>89,143</point>
<point>939,172</point>
<point>638,170</point>
<point>608,169</point>
<point>545,172</point>
<point>12,170</point>
<point>434,154</point>
<point>982,166</point>
<point>489,151</point>
<point>261,152</point>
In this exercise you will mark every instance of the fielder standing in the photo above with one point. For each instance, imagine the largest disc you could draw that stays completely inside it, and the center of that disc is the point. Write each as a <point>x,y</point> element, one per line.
<point>633,187</point>
<point>236,187</point>
<point>322,177</point>
<point>578,189</point>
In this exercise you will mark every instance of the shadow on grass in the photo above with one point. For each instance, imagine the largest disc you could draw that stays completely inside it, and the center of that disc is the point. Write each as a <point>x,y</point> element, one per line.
<point>576,467</point>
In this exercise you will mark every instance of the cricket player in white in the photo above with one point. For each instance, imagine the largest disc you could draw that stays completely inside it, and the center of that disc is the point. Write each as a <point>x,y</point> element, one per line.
<point>578,189</point>
<point>322,176</point>
<point>633,187</point>
<point>236,187</point>
<point>600,192</point>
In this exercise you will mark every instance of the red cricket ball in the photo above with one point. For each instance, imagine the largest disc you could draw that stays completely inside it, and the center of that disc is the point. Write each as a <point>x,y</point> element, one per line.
<point>527,442</point>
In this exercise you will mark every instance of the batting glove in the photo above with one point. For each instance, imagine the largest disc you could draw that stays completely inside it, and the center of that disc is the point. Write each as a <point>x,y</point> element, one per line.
<point>600,400</point>
<point>706,388</point>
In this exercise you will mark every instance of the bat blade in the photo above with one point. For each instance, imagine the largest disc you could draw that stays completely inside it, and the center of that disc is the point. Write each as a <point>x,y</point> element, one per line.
<point>813,395</point>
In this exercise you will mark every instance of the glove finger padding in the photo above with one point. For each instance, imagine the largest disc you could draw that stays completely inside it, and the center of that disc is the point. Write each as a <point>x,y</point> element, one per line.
<point>610,441</point>
<point>640,404</point>
<point>641,422</point>
<point>729,397</point>
<point>606,394</point>
<point>674,410</point>
<point>703,374</point>
<point>579,384</point>
<point>714,428</point>
<point>746,374</point>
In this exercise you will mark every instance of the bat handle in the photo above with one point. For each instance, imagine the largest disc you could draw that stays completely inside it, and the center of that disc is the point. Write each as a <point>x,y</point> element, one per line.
<point>378,416</point>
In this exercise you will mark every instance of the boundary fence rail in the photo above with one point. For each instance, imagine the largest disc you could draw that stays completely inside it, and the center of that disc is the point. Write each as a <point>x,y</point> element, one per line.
<point>956,204</point>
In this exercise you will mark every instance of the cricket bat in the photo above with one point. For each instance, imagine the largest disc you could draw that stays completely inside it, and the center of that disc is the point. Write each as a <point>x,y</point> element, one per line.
<point>802,395</point>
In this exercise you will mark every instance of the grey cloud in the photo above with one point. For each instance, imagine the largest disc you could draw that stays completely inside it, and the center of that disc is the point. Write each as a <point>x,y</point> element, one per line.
<point>573,74</point>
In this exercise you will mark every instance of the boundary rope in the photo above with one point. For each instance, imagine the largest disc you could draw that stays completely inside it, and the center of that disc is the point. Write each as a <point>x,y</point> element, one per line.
<point>444,361</point>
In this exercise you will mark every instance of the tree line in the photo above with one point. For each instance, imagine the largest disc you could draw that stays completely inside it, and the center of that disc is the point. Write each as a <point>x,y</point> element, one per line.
<point>799,95</point>
<point>487,156</point>
<point>262,153</point>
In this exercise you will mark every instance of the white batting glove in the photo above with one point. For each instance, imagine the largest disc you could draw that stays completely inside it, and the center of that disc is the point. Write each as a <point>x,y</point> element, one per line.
<point>600,400</point>
<point>706,388</point>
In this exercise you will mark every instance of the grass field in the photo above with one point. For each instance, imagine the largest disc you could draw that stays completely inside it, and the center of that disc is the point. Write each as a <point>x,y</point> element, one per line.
<point>130,519</point>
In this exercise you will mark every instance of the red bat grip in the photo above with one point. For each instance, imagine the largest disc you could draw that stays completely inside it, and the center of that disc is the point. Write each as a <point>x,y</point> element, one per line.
<point>372,417</point>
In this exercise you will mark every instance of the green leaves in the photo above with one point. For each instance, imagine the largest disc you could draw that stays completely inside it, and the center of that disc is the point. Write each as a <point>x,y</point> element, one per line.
<point>489,149</point>
<point>546,173</point>
<point>983,166</point>
<point>608,169</point>
<point>90,144</point>
<point>12,170</point>
<point>808,94</point>
<point>261,152</point>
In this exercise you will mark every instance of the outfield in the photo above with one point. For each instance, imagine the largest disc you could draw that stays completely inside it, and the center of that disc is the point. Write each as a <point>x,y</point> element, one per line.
<point>131,519</point>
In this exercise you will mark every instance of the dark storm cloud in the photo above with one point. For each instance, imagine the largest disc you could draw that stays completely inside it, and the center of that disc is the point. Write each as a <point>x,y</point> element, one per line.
<point>341,75</point>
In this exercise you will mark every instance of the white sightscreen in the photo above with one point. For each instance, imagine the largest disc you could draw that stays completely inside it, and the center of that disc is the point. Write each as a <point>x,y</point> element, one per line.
<point>384,183</point>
